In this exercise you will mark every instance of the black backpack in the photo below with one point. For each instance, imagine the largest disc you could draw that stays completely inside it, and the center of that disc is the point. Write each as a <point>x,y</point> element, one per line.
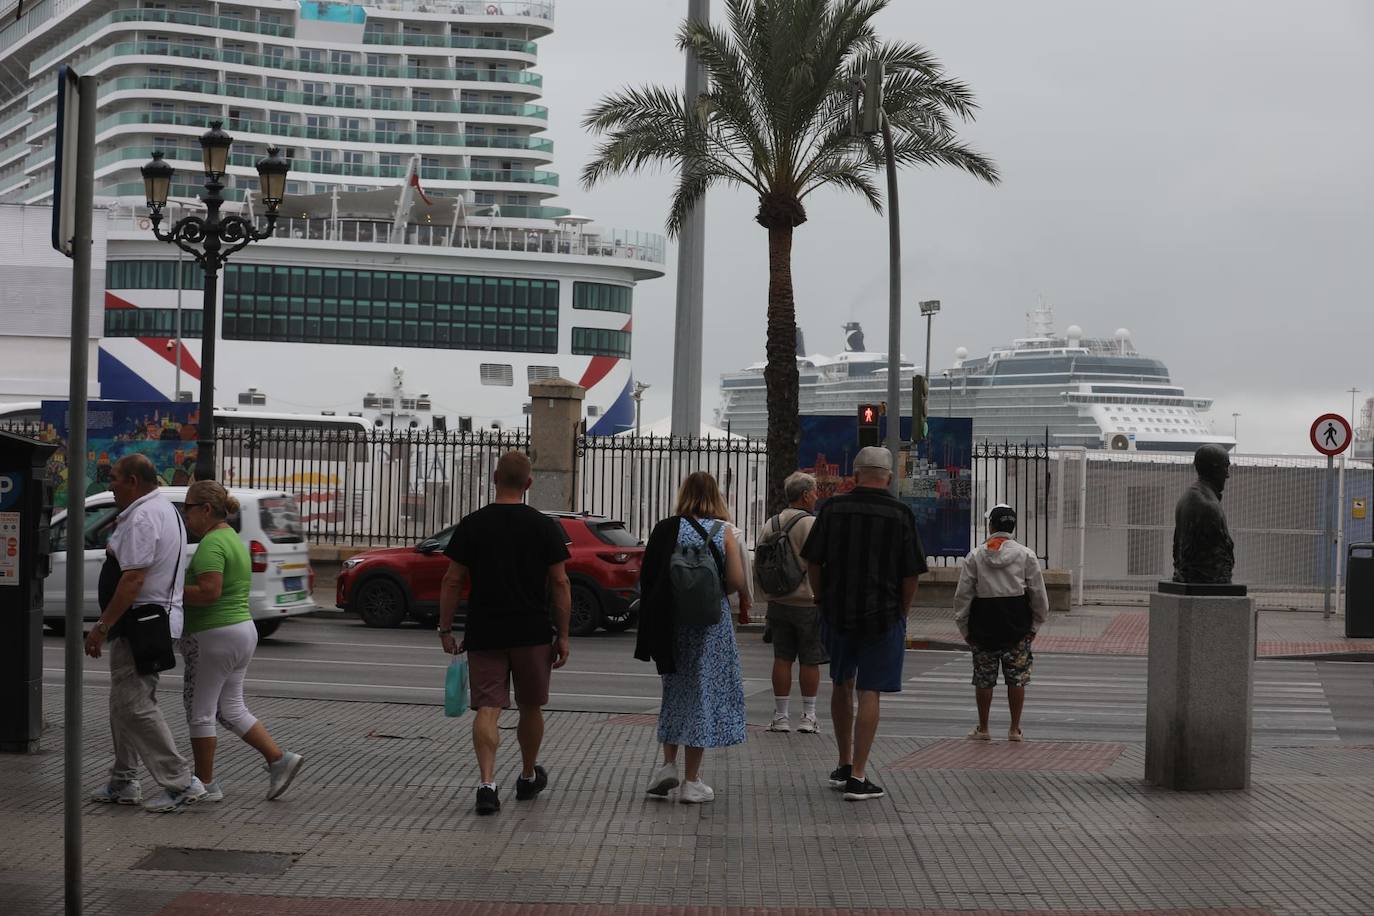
<point>777,567</point>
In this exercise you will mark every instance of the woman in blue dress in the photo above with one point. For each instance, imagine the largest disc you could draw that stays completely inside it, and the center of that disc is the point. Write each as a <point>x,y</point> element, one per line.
<point>703,689</point>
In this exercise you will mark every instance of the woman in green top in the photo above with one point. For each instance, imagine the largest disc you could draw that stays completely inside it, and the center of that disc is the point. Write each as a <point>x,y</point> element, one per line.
<point>219,639</point>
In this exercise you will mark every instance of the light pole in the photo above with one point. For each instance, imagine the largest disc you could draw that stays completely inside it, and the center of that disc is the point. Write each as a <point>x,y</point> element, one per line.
<point>1235,430</point>
<point>1353,392</point>
<point>638,395</point>
<point>875,122</point>
<point>211,239</point>
<point>929,309</point>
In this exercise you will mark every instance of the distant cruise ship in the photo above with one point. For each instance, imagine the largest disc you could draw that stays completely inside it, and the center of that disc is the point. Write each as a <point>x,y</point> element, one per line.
<point>1098,393</point>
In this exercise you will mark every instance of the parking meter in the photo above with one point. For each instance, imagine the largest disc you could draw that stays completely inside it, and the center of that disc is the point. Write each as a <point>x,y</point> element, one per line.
<point>25,513</point>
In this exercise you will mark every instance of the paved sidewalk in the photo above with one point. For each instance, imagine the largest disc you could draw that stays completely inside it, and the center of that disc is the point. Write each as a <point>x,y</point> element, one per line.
<point>380,824</point>
<point>1125,631</point>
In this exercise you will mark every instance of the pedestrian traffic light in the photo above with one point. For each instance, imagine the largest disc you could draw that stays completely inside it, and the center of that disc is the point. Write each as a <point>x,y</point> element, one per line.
<point>920,397</point>
<point>868,424</point>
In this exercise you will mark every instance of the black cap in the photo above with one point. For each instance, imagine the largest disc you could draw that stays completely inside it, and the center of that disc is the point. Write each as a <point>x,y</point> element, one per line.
<point>1002,518</point>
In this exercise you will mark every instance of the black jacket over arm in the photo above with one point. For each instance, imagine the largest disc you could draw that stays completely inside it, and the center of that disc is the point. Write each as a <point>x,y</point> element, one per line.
<point>654,641</point>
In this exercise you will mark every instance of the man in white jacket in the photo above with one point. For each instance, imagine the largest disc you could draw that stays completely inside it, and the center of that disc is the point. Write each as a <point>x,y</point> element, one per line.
<point>999,605</point>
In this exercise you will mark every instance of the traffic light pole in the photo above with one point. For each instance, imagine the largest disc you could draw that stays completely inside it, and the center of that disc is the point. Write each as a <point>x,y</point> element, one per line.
<point>894,311</point>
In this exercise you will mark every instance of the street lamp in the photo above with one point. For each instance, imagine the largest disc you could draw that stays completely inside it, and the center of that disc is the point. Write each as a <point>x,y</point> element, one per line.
<point>1235,430</point>
<point>638,395</point>
<point>929,309</point>
<point>211,239</point>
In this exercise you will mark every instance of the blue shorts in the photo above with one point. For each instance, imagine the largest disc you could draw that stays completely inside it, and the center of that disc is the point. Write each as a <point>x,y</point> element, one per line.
<point>873,663</point>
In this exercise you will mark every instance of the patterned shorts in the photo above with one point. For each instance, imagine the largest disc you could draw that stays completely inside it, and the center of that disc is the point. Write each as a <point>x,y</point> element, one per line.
<point>1016,663</point>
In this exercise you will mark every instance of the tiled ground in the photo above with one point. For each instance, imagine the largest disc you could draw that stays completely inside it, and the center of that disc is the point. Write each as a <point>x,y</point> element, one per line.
<point>1126,631</point>
<point>380,822</point>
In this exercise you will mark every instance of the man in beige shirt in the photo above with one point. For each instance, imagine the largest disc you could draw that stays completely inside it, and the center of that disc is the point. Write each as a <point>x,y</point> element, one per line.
<point>792,617</point>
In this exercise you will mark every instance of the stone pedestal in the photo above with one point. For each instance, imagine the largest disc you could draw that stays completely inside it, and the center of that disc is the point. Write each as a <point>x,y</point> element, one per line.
<point>1201,691</point>
<point>555,412</point>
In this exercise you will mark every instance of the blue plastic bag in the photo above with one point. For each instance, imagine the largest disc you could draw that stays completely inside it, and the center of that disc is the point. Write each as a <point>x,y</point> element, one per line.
<point>456,687</point>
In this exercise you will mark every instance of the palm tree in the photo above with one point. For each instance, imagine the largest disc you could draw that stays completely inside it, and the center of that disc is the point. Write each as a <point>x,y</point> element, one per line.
<point>778,119</point>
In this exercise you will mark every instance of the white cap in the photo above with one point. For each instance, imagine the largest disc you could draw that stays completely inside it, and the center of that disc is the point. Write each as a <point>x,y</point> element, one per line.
<point>872,456</point>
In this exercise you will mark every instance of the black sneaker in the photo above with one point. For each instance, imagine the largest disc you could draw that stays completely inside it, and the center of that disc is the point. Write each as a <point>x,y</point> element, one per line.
<point>861,790</point>
<point>839,777</point>
<point>488,802</point>
<point>525,789</point>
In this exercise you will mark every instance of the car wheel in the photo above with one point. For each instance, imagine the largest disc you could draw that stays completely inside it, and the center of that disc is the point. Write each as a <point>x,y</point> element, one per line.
<point>626,619</point>
<point>381,604</point>
<point>267,627</point>
<point>56,627</point>
<point>586,611</point>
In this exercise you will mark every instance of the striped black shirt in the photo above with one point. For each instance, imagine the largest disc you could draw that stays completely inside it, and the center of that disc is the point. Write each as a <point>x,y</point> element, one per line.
<point>867,543</point>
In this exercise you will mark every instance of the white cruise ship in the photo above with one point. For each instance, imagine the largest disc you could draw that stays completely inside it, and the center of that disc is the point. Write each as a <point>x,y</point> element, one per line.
<point>419,268</point>
<point>1098,393</point>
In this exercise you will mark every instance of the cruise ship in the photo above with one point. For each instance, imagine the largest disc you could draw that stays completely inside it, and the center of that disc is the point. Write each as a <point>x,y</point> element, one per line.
<point>419,268</point>
<point>1097,393</point>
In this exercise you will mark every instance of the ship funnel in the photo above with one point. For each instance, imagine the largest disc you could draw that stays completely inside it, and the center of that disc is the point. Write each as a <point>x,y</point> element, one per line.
<point>853,337</point>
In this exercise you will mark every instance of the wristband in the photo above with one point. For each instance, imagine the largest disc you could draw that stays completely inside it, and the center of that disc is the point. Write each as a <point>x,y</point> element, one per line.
<point>443,632</point>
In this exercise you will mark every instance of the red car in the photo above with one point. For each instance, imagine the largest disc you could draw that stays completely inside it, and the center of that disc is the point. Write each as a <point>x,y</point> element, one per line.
<point>389,584</point>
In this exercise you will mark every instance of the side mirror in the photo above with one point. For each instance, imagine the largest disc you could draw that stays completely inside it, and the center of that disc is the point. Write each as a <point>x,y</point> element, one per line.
<point>428,545</point>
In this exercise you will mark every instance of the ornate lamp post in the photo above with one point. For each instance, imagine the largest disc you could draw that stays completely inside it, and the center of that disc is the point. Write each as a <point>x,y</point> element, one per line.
<point>211,239</point>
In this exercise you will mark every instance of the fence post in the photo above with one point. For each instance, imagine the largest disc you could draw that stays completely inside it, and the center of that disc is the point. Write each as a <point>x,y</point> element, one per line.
<point>555,410</point>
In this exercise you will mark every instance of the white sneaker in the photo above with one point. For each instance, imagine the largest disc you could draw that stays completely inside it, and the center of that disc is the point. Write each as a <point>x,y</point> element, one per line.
<point>808,725</point>
<point>281,773</point>
<point>167,801</point>
<point>664,781</point>
<point>118,793</point>
<point>213,792</point>
<point>696,793</point>
<point>780,723</point>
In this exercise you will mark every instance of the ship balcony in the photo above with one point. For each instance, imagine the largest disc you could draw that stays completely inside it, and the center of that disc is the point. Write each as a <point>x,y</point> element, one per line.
<point>536,13</point>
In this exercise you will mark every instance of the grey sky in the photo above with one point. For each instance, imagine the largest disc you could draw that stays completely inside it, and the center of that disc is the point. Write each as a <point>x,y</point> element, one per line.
<point>1196,172</point>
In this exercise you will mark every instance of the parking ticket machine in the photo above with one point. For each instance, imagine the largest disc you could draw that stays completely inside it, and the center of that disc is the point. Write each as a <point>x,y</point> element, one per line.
<point>25,513</point>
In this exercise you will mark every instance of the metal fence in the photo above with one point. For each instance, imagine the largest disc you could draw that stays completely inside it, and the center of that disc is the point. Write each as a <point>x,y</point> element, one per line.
<point>1114,520</point>
<point>382,487</point>
<point>1017,476</point>
<point>636,479</point>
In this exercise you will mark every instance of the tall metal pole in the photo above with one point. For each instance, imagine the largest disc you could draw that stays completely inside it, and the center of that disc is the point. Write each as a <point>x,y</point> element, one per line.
<point>930,319</point>
<point>691,275</point>
<point>176,392</point>
<point>76,493</point>
<point>1328,546</point>
<point>205,446</point>
<point>894,309</point>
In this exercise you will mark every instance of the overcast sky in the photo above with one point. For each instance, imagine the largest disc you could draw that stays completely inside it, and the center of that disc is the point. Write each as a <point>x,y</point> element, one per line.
<point>1196,172</point>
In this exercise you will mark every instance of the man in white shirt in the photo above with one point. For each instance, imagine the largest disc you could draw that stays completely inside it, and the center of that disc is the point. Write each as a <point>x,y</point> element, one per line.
<point>149,548</point>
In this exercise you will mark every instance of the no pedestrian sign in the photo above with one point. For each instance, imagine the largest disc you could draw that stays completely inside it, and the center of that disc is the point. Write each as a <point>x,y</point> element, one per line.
<point>1331,434</point>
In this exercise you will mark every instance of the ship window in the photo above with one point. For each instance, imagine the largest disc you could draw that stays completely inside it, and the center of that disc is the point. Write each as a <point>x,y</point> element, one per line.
<point>600,342</point>
<point>392,308</point>
<point>160,274</point>
<point>157,323</point>
<point>602,297</point>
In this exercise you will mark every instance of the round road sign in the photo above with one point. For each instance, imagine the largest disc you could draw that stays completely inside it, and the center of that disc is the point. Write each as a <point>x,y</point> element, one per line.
<point>1331,434</point>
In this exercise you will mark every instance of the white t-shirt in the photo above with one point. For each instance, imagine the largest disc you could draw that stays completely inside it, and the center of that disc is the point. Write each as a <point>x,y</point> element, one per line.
<point>149,535</point>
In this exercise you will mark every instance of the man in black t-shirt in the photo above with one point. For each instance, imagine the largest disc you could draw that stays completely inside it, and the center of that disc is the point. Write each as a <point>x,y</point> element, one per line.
<point>512,556</point>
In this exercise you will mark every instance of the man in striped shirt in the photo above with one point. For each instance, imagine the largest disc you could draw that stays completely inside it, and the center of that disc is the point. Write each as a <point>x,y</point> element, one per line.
<point>863,559</point>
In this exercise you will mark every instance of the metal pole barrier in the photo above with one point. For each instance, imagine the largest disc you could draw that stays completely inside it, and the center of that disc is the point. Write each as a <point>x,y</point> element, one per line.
<point>76,492</point>
<point>1082,520</point>
<point>1340,530</point>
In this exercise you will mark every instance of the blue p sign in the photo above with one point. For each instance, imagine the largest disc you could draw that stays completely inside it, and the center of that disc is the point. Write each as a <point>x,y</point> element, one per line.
<point>9,490</point>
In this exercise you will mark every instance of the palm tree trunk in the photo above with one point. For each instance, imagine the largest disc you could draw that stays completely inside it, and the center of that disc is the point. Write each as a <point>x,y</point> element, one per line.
<point>780,374</point>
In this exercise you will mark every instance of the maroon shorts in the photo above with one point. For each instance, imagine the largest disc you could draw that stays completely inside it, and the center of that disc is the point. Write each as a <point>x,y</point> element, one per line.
<point>490,672</point>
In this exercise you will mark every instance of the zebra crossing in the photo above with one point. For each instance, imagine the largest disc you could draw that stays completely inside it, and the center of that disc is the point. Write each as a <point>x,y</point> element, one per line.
<point>1097,698</point>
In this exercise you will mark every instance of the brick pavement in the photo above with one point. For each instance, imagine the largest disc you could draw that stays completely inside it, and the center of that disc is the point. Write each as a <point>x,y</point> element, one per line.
<point>380,822</point>
<point>1125,631</point>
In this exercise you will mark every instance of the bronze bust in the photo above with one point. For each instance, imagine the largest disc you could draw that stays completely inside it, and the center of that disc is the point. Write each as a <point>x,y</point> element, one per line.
<point>1203,551</point>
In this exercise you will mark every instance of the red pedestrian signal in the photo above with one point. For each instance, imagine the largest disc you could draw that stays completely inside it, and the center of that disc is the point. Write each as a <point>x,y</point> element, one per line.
<point>868,424</point>
<point>868,414</point>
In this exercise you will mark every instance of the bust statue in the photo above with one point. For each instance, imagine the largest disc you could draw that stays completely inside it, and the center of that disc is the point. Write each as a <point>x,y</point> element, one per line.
<point>1203,551</point>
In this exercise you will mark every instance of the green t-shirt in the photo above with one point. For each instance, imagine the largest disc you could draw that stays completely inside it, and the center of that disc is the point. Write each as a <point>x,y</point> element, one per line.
<point>221,551</point>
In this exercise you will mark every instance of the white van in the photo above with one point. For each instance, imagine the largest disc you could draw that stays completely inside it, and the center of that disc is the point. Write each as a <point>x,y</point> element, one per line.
<point>268,522</point>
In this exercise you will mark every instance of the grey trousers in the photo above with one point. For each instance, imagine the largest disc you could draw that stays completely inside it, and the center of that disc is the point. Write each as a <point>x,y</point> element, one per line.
<point>136,724</point>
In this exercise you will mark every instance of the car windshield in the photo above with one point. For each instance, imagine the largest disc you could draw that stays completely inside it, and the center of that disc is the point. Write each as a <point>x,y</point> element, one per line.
<point>613,533</point>
<point>281,519</point>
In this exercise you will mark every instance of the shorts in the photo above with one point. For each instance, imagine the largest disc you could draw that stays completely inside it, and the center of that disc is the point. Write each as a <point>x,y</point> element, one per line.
<point>796,633</point>
<point>872,663</point>
<point>1016,663</point>
<point>491,671</point>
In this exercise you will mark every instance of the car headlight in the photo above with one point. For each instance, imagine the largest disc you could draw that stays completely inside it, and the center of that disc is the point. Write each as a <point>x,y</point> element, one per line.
<point>352,562</point>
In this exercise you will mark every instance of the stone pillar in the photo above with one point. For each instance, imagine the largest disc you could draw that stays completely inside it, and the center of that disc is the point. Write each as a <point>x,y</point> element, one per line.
<point>555,414</point>
<point>1200,697</point>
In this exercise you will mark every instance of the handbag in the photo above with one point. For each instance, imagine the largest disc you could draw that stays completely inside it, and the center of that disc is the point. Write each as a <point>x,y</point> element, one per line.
<point>149,628</point>
<point>456,687</point>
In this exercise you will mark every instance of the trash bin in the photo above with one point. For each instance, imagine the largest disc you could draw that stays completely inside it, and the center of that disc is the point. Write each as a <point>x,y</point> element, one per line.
<point>1359,591</point>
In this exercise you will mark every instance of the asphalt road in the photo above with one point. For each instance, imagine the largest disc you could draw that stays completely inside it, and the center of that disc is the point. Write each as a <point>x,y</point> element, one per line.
<point>1073,697</point>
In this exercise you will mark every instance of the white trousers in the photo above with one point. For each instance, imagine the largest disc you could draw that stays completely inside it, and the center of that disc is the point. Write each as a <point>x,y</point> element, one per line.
<point>216,664</point>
